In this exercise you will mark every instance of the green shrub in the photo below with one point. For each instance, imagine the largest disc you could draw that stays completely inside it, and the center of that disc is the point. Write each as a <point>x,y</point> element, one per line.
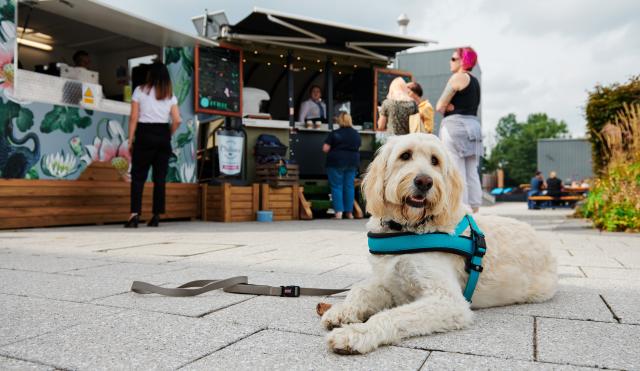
<point>603,105</point>
<point>613,203</point>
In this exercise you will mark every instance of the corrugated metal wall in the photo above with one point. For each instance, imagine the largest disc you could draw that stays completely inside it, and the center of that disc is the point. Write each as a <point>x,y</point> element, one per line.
<point>570,158</point>
<point>431,70</point>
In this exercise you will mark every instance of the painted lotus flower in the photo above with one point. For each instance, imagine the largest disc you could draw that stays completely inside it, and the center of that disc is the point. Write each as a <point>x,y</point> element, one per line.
<point>75,144</point>
<point>6,55</point>
<point>59,164</point>
<point>106,149</point>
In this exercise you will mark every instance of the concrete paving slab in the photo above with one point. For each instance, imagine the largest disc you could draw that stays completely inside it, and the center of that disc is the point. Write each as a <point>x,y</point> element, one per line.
<point>44,262</point>
<point>624,306</point>
<point>568,271</point>
<point>62,287</point>
<point>588,343</point>
<point>612,273</point>
<point>287,314</point>
<point>23,317</point>
<point>492,334</point>
<point>271,350</point>
<point>589,261</point>
<point>132,271</point>
<point>189,306</point>
<point>568,304</point>
<point>129,340</point>
<point>443,361</point>
<point>12,364</point>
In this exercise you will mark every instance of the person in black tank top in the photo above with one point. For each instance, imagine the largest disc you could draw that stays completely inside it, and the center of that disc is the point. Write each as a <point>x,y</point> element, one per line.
<point>460,129</point>
<point>467,100</point>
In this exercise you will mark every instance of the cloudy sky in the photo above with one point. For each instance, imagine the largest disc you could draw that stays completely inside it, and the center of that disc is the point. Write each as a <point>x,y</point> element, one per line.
<point>536,56</point>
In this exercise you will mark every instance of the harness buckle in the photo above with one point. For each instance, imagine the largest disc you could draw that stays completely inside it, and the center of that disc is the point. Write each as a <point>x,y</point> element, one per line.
<point>468,266</point>
<point>290,291</point>
<point>480,245</point>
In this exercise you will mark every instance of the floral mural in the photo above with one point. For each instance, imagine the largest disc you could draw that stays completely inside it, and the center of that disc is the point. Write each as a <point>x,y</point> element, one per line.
<point>46,141</point>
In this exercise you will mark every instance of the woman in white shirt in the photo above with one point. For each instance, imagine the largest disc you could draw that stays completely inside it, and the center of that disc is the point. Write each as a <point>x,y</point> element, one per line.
<point>153,105</point>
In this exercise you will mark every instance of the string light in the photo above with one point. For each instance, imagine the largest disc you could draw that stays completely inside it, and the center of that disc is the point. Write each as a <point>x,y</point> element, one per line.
<point>285,66</point>
<point>335,63</point>
<point>339,72</point>
<point>268,63</point>
<point>304,68</point>
<point>255,52</point>
<point>317,60</point>
<point>281,55</point>
<point>320,70</point>
<point>355,66</point>
<point>298,58</point>
<point>244,61</point>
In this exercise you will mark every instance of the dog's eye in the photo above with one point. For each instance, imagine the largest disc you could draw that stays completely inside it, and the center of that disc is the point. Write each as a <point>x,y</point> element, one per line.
<point>405,156</point>
<point>434,161</point>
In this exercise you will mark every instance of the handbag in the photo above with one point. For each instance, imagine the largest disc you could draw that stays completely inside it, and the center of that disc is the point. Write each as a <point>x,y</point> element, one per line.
<point>415,124</point>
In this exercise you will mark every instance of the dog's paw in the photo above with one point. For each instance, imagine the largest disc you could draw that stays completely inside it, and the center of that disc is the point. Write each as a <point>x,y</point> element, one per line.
<point>338,315</point>
<point>351,339</point>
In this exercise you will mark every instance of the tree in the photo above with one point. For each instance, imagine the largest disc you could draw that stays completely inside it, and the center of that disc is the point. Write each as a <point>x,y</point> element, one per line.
<point>516,149</point>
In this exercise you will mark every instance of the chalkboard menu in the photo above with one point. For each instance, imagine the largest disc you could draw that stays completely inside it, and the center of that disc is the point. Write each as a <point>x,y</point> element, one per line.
<point>218,85</point>
<point>382,79</point>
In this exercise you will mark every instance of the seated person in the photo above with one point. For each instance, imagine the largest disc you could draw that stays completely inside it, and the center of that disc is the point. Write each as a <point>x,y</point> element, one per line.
<point>554,185</point>
<point>537,185</point>
<point>81,59</point>
<point>313,108</point>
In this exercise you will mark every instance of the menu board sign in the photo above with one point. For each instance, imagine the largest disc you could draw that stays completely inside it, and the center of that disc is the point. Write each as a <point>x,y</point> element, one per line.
<point>218,80</point>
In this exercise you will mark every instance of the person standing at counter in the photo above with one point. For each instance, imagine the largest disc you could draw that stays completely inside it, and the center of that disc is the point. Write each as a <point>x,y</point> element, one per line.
<point>313,108</point>
<point>81,59</point>
<point>153,105</point>
<point>397,108</point>
<point>343,159</point>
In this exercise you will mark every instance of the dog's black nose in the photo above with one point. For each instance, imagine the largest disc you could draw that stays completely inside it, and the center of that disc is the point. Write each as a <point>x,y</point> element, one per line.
<point>423,182</point>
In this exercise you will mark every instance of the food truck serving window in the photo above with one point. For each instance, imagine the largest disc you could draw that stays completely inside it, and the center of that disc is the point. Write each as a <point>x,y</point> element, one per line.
<point>218,80</point>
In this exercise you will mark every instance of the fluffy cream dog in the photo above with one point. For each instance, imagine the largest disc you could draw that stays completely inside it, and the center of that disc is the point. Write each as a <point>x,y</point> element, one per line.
<point>412,182</point>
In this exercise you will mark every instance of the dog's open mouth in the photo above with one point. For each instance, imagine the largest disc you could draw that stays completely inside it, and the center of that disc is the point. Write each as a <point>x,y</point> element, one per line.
<point>416,201</point>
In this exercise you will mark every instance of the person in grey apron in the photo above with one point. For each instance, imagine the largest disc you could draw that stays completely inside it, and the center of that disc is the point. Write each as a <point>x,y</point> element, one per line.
<point>460,129</point>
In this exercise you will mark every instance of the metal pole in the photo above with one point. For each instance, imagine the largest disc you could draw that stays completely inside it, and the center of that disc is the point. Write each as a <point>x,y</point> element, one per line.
<point>328,78</point>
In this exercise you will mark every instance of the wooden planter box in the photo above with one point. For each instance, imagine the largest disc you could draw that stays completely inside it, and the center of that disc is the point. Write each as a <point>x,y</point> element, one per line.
<point>284,201</point>
<point>227,203</point>
<point>268,173</point>
<point>44,203</point>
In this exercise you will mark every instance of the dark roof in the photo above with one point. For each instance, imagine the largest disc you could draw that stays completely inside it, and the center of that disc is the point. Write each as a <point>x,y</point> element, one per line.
<point>337,36</point>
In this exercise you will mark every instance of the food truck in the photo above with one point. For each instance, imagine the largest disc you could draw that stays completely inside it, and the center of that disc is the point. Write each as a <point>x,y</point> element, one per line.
<point>64,155</point>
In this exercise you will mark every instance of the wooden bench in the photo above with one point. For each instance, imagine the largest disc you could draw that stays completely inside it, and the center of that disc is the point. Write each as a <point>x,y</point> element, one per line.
<point>543,201</point>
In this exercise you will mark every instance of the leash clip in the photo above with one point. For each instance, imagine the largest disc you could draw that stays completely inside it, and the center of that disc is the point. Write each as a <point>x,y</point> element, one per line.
<point>290,291</point>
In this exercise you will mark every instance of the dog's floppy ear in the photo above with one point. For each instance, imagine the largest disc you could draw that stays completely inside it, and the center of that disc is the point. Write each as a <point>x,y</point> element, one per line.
<point>373,183</point>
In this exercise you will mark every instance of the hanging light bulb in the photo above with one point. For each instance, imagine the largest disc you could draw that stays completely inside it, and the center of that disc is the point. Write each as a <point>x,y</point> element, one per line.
<point>255,52</point>
<point>335,63</point>
<point>320,70</point>
<point>355,66</point>
<point>298,58</point>
<point>304,68</point>
<point>317,60</point>
<point>268,63</point>
<point>281,55</point>
<point>244,60</point>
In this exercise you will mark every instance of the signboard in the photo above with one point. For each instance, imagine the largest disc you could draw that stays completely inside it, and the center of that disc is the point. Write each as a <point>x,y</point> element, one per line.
<point>218,80</point>
<point>382,78</point>
<point>229,153</point>
<point>91,95</point>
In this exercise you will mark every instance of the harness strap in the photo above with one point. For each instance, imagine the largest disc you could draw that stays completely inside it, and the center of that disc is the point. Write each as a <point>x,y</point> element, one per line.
<point>473,247</point>
<point>236,285</point>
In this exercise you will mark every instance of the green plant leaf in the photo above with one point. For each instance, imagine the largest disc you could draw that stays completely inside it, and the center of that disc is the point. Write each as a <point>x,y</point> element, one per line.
<point>25,119</point>
<point>171,55</point>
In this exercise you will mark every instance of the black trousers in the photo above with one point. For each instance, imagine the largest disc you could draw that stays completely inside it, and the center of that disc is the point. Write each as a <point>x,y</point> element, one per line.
<point>151,149</point>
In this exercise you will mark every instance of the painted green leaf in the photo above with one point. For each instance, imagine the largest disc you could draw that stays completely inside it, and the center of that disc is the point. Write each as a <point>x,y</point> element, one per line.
<point>182,89</point>
<point>89,112</point>
<point>187,60</point>
<point>33,173</point>
<point>52,119</point>
<point>25,119</point>
<point>171,55</point>
<point>172,175</point>
<point>64,119</point>
<point>183,139</point>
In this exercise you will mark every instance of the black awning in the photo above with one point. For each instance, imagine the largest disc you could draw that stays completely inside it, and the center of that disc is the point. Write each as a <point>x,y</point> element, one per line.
<point>264,26</point>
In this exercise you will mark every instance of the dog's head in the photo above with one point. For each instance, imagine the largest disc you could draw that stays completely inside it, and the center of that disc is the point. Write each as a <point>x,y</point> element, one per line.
<point>411,180</point>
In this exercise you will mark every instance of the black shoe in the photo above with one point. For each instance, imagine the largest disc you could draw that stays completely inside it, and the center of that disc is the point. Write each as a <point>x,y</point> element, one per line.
<point>155,220</point>
<point>132,222</point>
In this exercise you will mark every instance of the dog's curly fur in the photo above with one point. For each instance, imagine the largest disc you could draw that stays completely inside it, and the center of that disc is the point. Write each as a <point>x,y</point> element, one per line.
<point>421,294</point>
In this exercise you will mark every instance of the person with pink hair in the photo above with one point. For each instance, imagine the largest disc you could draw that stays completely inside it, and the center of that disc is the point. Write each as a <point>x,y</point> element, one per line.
<point>460,130</point>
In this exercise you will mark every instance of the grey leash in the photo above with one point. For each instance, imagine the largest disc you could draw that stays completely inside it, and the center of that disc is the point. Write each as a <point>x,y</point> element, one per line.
<point>236,285</point>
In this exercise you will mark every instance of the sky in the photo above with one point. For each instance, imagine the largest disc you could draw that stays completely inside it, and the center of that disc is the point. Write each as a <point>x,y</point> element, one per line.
<point>535,56</point>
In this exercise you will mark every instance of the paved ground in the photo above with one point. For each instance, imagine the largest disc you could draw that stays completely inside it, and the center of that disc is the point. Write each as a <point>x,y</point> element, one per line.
<point>65,303</point>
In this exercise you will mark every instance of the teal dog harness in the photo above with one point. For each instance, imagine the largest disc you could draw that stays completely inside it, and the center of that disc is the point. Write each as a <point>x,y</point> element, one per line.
<point>472,247</point>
